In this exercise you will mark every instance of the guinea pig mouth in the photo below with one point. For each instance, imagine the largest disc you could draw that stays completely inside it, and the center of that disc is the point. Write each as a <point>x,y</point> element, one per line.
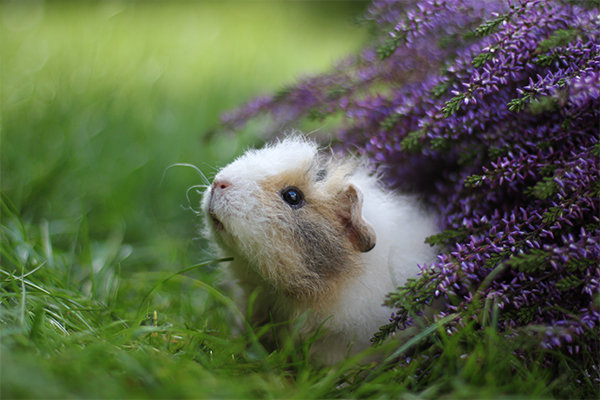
<point>217,225</point>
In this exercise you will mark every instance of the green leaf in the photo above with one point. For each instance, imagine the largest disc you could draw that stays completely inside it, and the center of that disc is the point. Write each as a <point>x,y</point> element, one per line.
<point>596,189</point>
<point>495,259</point>
<point>391,121</point>
<point>390,46</point>
<point>441,88</point>
<point>482,58</point>
<point>568,283</point>
<point>447,236</point>
<point>412,142</point>
<point>281,94</point>
<point>467,157</point>
<point>453,105</point>
<point>530,262</point>
<point>518,105</point>
<point>441,144</point>
<point>317,115</point>
<point>526,314</point>
<point>473,180</point>
<point>575,265</point>
<point>545,60</point>
<point>496,152</point>
<point>337,92</point>
<point>552,215</point>
<point>383,333</point>
<point>489,27</point>
<point>544,189</point>
<point>548,170</point>
<point>559,38</point>
<point>543,104</point>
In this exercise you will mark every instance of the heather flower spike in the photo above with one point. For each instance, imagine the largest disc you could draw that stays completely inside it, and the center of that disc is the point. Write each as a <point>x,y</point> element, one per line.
<point>491,109</point>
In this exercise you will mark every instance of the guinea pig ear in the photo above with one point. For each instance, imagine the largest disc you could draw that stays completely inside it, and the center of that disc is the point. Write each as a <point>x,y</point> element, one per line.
<point>360,232</point>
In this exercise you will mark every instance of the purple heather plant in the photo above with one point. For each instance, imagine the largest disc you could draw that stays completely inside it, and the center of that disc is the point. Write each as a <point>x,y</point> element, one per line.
<point>491,109</point>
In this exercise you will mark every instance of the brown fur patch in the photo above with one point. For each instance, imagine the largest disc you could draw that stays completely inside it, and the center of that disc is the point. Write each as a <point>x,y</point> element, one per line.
<point>360,233</point>
<point>311,250</point>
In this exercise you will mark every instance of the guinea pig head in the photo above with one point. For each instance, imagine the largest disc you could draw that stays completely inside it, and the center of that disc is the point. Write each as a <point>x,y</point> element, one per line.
<point>292,216</point>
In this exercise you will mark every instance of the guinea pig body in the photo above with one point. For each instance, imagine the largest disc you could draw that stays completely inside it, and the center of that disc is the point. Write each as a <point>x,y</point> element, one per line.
<point>318,235</point>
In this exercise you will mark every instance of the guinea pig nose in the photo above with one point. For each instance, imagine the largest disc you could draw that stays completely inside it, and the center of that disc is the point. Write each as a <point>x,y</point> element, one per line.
<point>220,184</point>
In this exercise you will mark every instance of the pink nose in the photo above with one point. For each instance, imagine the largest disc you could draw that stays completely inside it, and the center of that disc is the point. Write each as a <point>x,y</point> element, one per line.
<point>220,184</point>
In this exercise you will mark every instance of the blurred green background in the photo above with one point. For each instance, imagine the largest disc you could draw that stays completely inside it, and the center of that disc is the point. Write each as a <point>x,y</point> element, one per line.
<point>99,98</point>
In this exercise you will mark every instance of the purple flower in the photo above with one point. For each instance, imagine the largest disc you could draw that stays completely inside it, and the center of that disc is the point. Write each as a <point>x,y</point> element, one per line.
<point>491,110</point>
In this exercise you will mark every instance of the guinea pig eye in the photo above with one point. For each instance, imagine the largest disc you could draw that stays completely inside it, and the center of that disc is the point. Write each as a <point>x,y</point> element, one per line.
<point>293,196</point>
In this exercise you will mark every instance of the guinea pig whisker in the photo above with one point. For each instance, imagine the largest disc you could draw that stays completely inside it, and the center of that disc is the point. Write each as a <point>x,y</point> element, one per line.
<point>187,196</point>
<point>204,179</point>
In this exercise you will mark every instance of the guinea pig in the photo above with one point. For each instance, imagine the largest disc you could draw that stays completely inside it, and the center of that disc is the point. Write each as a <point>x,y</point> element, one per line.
<point>320,236</point>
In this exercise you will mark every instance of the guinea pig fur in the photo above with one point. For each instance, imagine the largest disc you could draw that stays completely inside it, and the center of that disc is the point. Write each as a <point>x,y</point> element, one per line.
<point>319,235</point>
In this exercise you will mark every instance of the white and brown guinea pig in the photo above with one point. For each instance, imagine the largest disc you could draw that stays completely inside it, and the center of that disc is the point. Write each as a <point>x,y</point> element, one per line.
<point>319,234</point>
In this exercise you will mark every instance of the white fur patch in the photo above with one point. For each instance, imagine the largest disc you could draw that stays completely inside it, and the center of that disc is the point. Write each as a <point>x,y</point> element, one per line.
<point>256,165</point>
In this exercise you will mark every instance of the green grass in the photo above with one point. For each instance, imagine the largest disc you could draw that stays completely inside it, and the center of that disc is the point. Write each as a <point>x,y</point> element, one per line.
<point>106,289</point>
